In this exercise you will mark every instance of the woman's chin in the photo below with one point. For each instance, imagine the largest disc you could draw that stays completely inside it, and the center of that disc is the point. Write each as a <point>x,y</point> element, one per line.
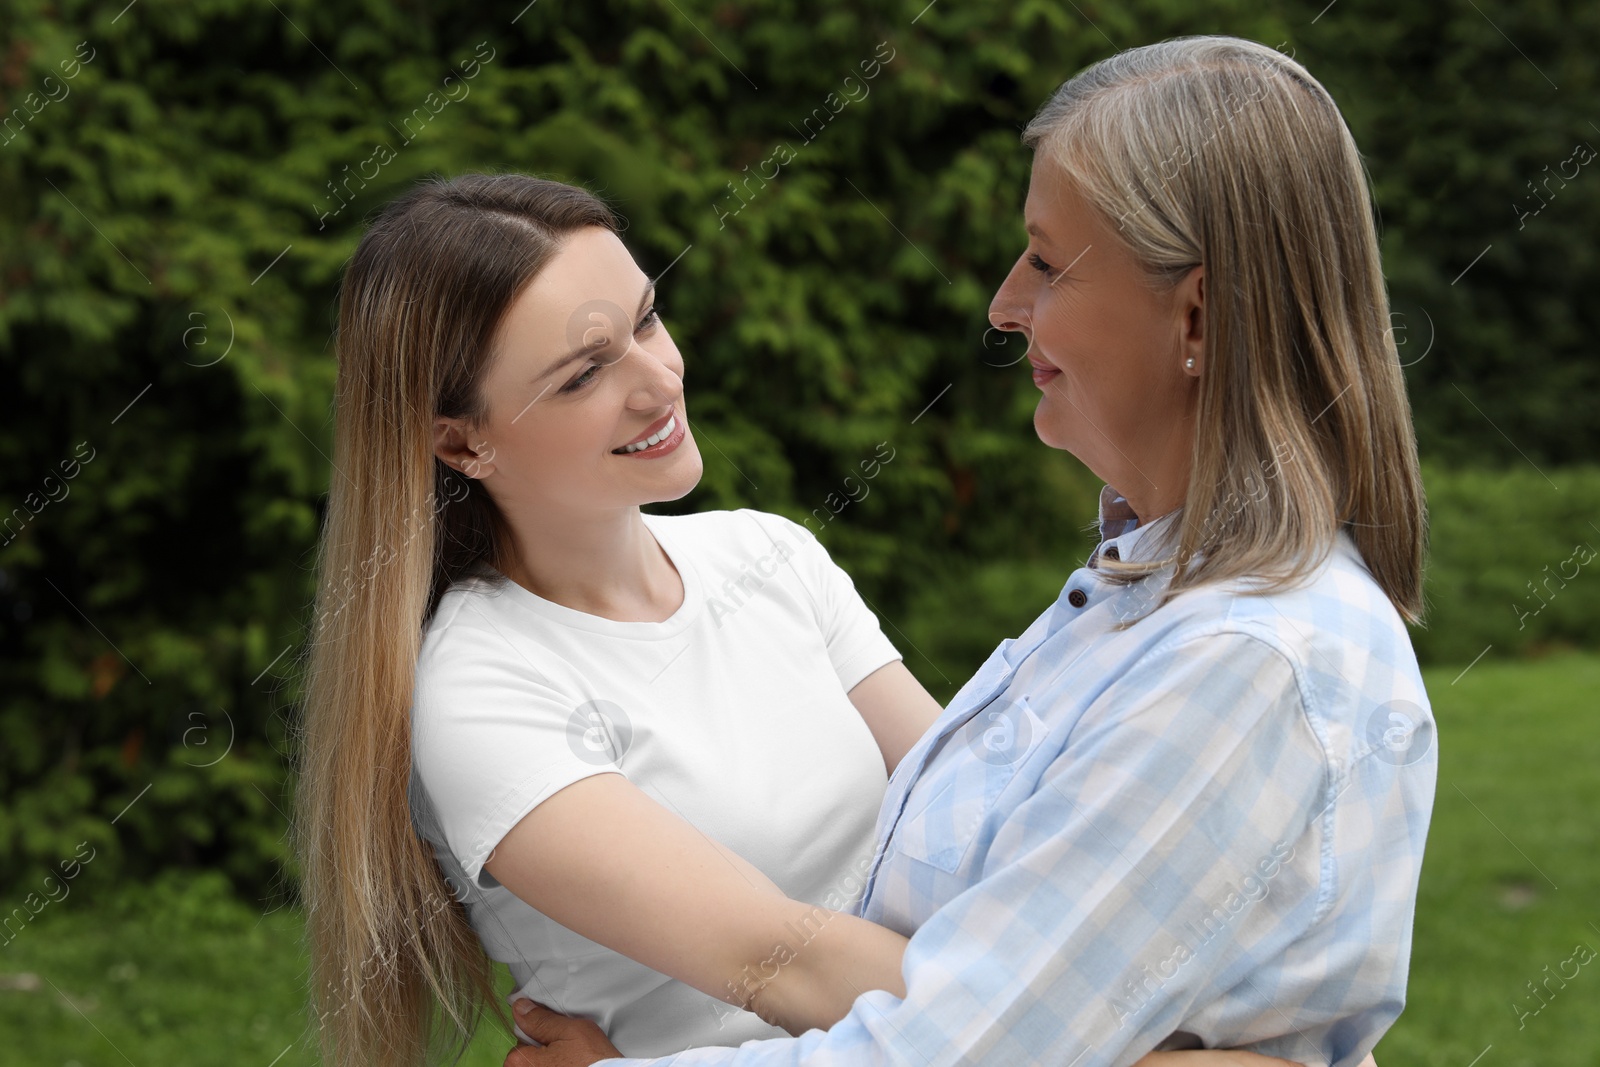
<point>1044,426</point>
<point>680,482</point>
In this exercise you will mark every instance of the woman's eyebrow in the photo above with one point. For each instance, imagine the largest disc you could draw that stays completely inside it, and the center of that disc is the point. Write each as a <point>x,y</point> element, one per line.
<point>588,350</point>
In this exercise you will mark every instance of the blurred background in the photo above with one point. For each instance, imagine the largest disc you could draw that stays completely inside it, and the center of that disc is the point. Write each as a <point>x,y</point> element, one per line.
<point>181,183</point>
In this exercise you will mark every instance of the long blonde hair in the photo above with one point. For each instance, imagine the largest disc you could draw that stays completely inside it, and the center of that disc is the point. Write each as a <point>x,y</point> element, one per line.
<point>397,972</point>
<point>1224,153</point>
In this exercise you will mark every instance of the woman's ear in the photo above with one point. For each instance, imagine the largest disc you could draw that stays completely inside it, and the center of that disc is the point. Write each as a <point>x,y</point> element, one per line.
<point>451,444</point>
<point>1191,298</point>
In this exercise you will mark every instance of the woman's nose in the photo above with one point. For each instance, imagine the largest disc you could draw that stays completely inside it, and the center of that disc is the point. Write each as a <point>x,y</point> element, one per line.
<point>1003,311</point>
<point>659,381</point>
<point>1006,317</point>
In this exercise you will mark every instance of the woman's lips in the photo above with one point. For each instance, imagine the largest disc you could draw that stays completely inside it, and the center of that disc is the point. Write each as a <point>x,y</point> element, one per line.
<point>1042,372</point>
<point>666,445</point>
<point>654,427</point>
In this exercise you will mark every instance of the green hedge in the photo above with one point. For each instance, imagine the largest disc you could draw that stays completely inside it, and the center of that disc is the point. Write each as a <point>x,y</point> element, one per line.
<point>1500,543</point>
<point>175,218</point>
<point>1513,567</point>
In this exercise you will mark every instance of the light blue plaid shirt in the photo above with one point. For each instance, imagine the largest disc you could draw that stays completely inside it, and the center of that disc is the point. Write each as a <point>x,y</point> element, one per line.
<point>1205,829</point>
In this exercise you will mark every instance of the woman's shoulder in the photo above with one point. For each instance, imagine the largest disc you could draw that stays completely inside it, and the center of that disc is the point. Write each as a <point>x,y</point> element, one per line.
<point>1338,598</point>
<point>1337,591</point>
<point>468,626</point>
<point>456,603</point>
<point>1348,644</point>
<point>477,650</point>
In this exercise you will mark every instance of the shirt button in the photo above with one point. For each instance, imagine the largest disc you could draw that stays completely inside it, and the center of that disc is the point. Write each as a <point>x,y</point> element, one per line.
<point>1077,598</point>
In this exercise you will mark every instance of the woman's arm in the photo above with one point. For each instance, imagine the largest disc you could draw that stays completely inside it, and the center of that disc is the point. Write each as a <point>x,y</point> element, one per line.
<point>602,858</point>
<point>896,709</point>
<point>571,1042</point>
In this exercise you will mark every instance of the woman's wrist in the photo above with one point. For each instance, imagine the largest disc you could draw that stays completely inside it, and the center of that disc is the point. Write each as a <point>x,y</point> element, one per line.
<point>819,964</point>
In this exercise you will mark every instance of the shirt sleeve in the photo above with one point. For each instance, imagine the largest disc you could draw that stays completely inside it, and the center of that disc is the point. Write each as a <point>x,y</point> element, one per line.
<point>856,644</point>
<point>1169,851</point>
<point>492,738</point>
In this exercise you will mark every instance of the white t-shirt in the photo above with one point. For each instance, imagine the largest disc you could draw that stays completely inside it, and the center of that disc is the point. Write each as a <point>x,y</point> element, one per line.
<point>733,713</point>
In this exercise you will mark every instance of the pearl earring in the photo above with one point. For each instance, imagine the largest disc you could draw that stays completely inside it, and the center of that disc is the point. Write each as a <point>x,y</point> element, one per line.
<point>1189,363</point>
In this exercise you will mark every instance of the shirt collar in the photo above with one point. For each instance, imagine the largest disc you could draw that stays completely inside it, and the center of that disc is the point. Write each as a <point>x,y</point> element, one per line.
<point>1116,515</point>
<point>1119,526</point>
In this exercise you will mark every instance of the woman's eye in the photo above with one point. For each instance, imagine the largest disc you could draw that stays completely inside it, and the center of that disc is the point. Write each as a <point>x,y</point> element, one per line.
<point>1038,264</point>
<point>651,319</point>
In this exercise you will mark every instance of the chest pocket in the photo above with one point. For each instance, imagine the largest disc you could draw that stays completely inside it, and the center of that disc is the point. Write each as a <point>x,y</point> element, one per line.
<point>965,774</point>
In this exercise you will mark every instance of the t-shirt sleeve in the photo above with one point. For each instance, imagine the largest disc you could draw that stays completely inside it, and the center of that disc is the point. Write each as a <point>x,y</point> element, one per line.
<point>856,644</point>
<point>492,738</point>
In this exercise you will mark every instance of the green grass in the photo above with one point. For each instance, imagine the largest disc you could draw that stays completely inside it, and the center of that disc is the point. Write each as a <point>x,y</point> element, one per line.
<point>176,974</point>
<point>179,973</point>
<point>1511,880</point>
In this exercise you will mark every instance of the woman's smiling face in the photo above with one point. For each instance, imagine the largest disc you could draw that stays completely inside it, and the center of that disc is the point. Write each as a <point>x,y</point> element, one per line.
<point>582,367</point>
<point>1106,350</point>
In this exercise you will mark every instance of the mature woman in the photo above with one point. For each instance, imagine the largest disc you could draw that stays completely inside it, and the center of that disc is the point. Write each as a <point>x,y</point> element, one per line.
<point>1188,804</point>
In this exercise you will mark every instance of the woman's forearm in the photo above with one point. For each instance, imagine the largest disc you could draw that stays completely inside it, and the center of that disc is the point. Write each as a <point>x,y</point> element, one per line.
<point>608,862</point>
<point>821,963</point>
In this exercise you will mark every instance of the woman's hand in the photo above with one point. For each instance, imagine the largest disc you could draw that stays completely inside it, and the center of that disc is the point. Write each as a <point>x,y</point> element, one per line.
<point>563,1040</point>
<point>1213,1057</point>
